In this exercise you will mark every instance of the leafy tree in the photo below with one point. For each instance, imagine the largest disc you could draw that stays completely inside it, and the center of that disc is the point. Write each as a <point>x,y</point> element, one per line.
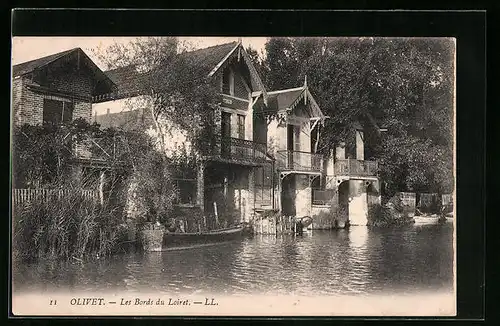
<point>406,85</point>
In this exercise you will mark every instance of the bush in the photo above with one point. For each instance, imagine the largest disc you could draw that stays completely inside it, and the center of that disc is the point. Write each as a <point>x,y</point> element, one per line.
<point>383,216</point>
<point>66,227</point>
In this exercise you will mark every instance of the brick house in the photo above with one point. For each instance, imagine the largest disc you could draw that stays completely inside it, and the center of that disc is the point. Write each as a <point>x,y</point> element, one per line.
<point>59,88</point>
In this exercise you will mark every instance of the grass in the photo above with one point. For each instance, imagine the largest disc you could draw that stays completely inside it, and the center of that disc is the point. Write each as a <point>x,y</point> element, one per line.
<point>71,227</point>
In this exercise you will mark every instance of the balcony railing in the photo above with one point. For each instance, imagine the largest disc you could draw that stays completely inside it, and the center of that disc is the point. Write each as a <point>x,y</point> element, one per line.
<point>299,161</point>
<point>350,167</point>
<point>109,150</point>
<point>235,149</point>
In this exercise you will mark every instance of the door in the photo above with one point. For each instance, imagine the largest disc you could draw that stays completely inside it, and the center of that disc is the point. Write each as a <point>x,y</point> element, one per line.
<point>226,134</point>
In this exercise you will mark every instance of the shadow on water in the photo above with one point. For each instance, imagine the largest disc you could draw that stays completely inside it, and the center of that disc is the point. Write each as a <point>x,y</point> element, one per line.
<point>348,261</point>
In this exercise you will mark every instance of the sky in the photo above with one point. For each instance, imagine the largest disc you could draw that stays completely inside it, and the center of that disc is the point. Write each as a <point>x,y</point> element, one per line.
<point>30,48</point>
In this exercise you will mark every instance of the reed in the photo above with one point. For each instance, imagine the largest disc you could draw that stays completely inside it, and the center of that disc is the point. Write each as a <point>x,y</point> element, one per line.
<point>66,227</point>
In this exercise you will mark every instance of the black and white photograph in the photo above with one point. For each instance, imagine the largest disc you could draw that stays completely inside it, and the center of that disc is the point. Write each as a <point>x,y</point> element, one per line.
<point>265,176</point>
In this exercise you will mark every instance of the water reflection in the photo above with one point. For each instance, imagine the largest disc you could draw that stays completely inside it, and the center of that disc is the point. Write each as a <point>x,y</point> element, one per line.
<point>355,260</point>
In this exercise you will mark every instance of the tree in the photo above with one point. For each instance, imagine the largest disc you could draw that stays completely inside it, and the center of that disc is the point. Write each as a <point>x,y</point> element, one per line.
<point>407,85</point>
<point>174,88</point>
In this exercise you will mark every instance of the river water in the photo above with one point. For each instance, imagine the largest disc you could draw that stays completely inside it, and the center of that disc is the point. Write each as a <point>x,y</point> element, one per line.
<point>412,259</point>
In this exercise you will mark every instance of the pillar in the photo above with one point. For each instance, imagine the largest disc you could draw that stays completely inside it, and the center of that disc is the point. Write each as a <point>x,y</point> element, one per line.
<point>250,202</point>
<point>200,187</point>
<point>358,203</point>
<point>360,146</point>
<point>340,151</point>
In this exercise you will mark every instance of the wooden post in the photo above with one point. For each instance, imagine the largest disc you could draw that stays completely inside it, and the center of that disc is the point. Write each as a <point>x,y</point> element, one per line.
<point>261,226</point>
<point>216,215</point>
<point>204,222</point>
<point>101,187</point>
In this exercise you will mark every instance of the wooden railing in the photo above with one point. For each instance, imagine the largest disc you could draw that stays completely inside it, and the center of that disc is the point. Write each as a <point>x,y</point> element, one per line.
<point>235,149</point>
<point>100,149</point>
<point>299,161</point>
<point>322,197</point>
<point>350,167</point>
<point>22,196</point>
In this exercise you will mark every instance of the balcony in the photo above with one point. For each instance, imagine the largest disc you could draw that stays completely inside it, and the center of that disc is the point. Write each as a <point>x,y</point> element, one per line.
<point>235,150</point>
<point>299,161</point>
<point>356,168</point>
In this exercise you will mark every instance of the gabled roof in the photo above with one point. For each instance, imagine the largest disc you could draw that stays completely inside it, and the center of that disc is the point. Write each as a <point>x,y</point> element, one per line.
<point>30,66</point>
<point>211,56</point>
<point>129,80</point>
<point>287,99</point>
<point>40,63</point>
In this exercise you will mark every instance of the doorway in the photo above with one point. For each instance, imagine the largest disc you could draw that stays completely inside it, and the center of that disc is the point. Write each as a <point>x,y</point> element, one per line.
<point>226,134</point>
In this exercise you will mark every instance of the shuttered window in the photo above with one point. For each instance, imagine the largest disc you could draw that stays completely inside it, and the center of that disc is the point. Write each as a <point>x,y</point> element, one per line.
<point>55,111</point>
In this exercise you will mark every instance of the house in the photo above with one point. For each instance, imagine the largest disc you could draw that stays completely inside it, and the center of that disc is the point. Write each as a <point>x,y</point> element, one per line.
<point>57,88</point>
<point>264,155</point>
<point>225,176</point>
<point>60,88</point>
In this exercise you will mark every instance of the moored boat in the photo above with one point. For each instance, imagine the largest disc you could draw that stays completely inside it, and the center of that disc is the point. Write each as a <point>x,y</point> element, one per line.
<point>172,239</point>
<point>304,221</point>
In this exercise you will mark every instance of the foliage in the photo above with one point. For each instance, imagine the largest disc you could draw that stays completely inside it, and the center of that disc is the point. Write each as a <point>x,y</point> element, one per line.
<point>177,88</point>
<point>41,154</point>
<point>67,227</point>
<point>383,216</point>
<point>150,178</point>
<point>406,85</point>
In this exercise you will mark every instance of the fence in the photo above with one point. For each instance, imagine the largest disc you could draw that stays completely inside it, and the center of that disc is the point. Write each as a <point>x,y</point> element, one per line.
<point>22,196</point>
<point>408,202</point>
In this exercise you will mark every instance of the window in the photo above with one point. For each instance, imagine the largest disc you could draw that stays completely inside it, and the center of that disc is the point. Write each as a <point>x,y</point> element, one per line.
<point>228,82</point>
<point>57,111</point>
<point>241,126</point>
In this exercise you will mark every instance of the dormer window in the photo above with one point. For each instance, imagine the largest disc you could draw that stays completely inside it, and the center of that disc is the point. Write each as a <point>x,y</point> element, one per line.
<point>228,82</point>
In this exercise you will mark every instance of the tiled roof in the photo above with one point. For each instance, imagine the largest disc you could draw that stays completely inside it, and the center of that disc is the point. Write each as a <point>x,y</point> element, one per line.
<point>105,85</point>
<point>210,56</point>
<point>130,81</point>
<point>127,79</point>
<point>280,100</point>
<point>29,66</point>
<point>128,120</point>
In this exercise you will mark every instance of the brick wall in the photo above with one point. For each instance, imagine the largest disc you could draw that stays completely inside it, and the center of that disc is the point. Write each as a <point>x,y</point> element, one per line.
<point>76,83</point>
<point>17,96</point>
<point>27,104</point>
